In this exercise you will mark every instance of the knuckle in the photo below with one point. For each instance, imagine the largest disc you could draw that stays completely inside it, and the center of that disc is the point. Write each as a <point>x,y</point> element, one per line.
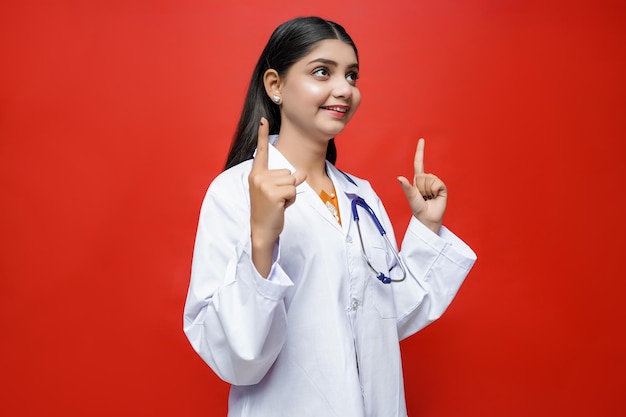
<point>254,179</point>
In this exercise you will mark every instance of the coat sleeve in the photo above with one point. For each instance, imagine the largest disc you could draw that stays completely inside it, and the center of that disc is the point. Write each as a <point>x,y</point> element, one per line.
<point>233,318</point>
<point>436,265</point>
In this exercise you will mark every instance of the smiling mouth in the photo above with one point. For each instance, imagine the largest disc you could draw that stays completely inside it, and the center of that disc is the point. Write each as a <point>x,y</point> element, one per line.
<point>340,109</point>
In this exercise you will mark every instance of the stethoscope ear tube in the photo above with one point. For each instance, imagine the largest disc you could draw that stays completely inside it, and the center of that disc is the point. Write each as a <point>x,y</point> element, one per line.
<point>358,201</point>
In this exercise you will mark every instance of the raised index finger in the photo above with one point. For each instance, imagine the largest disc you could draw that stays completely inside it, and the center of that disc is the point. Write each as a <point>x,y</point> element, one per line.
<point>261,156</point>
<point>419,157</point>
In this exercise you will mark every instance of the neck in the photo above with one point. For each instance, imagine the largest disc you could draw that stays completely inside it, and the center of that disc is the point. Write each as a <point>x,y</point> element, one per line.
<point>308,157</point>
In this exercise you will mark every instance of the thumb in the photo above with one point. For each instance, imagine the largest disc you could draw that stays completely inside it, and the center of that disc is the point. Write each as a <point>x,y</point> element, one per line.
<point>300,177</point>
<point>408,189</point>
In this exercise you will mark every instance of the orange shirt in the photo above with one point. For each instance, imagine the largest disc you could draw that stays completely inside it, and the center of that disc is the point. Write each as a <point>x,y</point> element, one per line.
<point>330,200</point>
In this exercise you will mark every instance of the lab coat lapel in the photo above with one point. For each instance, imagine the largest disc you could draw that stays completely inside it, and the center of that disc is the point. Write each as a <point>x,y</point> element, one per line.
<point>346,191</point>
<point>304,193</point>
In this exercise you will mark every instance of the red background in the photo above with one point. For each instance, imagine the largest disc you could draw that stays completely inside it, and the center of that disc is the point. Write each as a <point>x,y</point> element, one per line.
<point>115,116</point>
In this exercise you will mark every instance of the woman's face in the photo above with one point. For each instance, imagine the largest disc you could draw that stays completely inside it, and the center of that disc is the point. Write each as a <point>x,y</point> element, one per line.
<point>319,93</point>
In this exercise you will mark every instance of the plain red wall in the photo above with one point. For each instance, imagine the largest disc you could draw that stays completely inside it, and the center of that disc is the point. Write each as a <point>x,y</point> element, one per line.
<point>115,116</point>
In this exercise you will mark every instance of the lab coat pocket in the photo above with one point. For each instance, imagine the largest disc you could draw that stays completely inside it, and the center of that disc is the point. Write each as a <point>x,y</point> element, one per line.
<point>382,294</point>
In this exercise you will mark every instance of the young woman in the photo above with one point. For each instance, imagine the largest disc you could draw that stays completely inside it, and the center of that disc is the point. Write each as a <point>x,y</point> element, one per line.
<point>292,301</point>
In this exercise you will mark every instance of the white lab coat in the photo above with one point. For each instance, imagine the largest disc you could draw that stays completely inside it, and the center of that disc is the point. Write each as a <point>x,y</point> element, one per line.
<point>320,336</point>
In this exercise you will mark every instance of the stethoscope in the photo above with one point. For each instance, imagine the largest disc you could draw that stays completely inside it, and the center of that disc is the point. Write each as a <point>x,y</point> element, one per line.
<point>358,201</point>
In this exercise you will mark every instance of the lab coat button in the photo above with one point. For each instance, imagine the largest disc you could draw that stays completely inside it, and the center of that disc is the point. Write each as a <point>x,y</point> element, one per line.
<point>354,305</point>
<point>349,239</point>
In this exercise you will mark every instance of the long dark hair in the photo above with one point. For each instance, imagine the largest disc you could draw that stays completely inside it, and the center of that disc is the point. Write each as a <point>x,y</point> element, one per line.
<point>290,41</point>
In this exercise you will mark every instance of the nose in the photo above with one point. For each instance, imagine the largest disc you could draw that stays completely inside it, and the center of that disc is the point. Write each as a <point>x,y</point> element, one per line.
<point>342,88</point>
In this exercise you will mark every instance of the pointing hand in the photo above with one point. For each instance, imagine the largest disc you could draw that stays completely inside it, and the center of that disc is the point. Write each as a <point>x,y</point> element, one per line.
<point>427,195</point>
<point>271,192</point>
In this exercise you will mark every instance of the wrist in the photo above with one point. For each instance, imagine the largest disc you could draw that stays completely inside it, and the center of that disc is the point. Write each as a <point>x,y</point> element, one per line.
<point>261,240</point>
<point>262,253</point>
<point>435,227</point>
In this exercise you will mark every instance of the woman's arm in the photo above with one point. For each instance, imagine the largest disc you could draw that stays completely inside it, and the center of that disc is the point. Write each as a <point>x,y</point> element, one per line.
<point>234,318</point>
<point>436,260</point>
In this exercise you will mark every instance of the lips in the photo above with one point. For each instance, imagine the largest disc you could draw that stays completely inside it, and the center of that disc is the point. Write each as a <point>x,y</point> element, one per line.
<point>338,108</point>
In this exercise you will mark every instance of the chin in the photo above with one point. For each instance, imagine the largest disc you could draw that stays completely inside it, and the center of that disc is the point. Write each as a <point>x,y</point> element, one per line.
<point>332,131</point>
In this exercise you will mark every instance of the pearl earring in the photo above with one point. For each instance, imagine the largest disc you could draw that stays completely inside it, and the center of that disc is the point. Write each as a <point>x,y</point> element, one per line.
<point>276,99</point>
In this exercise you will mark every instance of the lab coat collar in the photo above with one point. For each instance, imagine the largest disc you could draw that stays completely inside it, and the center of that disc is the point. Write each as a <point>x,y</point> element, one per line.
<point>277,160</point>
<point>341,180</point>
<point>346,185</point>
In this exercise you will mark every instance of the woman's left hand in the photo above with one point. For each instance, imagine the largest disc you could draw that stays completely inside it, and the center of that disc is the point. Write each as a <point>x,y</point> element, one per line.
<point>427,195</point>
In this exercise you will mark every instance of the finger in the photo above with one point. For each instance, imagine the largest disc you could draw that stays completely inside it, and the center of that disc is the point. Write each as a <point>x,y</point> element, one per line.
<point>299,178</point>
<point>438,187</point>
<point>277,173</point>
<point>419,157</point>
<point>285,177</point>
<point>291,198</point>
<point>429,190</point>
<point>261,157</point>
<point>283,180</point>
<point>289,195</point>
<point>420,184</point>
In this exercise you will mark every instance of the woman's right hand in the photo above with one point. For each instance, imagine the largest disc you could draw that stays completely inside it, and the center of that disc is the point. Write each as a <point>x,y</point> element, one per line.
<point>427,195</point>
<point>271,192</point>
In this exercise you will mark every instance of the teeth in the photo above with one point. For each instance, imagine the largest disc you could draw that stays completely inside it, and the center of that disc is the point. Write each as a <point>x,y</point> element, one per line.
<point>339,109</point>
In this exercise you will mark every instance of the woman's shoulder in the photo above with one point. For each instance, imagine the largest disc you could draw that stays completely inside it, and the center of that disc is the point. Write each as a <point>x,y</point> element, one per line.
<point>232,179</point>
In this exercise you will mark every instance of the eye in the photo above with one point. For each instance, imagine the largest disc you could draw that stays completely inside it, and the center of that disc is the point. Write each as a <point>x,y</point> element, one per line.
<point>321,72</point>
<point>352,77</point>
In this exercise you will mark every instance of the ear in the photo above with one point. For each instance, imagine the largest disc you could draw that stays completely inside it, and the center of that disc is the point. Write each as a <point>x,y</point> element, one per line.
<point>272,83</point>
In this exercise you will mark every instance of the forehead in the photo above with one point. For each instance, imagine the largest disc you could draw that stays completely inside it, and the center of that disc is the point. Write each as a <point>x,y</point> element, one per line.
<point>332,49</point>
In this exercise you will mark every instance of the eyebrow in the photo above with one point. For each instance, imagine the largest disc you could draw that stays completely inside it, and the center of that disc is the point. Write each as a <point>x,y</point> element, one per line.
<point>332,63</point>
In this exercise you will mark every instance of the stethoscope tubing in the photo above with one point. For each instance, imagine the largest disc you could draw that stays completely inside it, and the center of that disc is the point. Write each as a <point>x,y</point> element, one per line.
<point>359,201</point>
